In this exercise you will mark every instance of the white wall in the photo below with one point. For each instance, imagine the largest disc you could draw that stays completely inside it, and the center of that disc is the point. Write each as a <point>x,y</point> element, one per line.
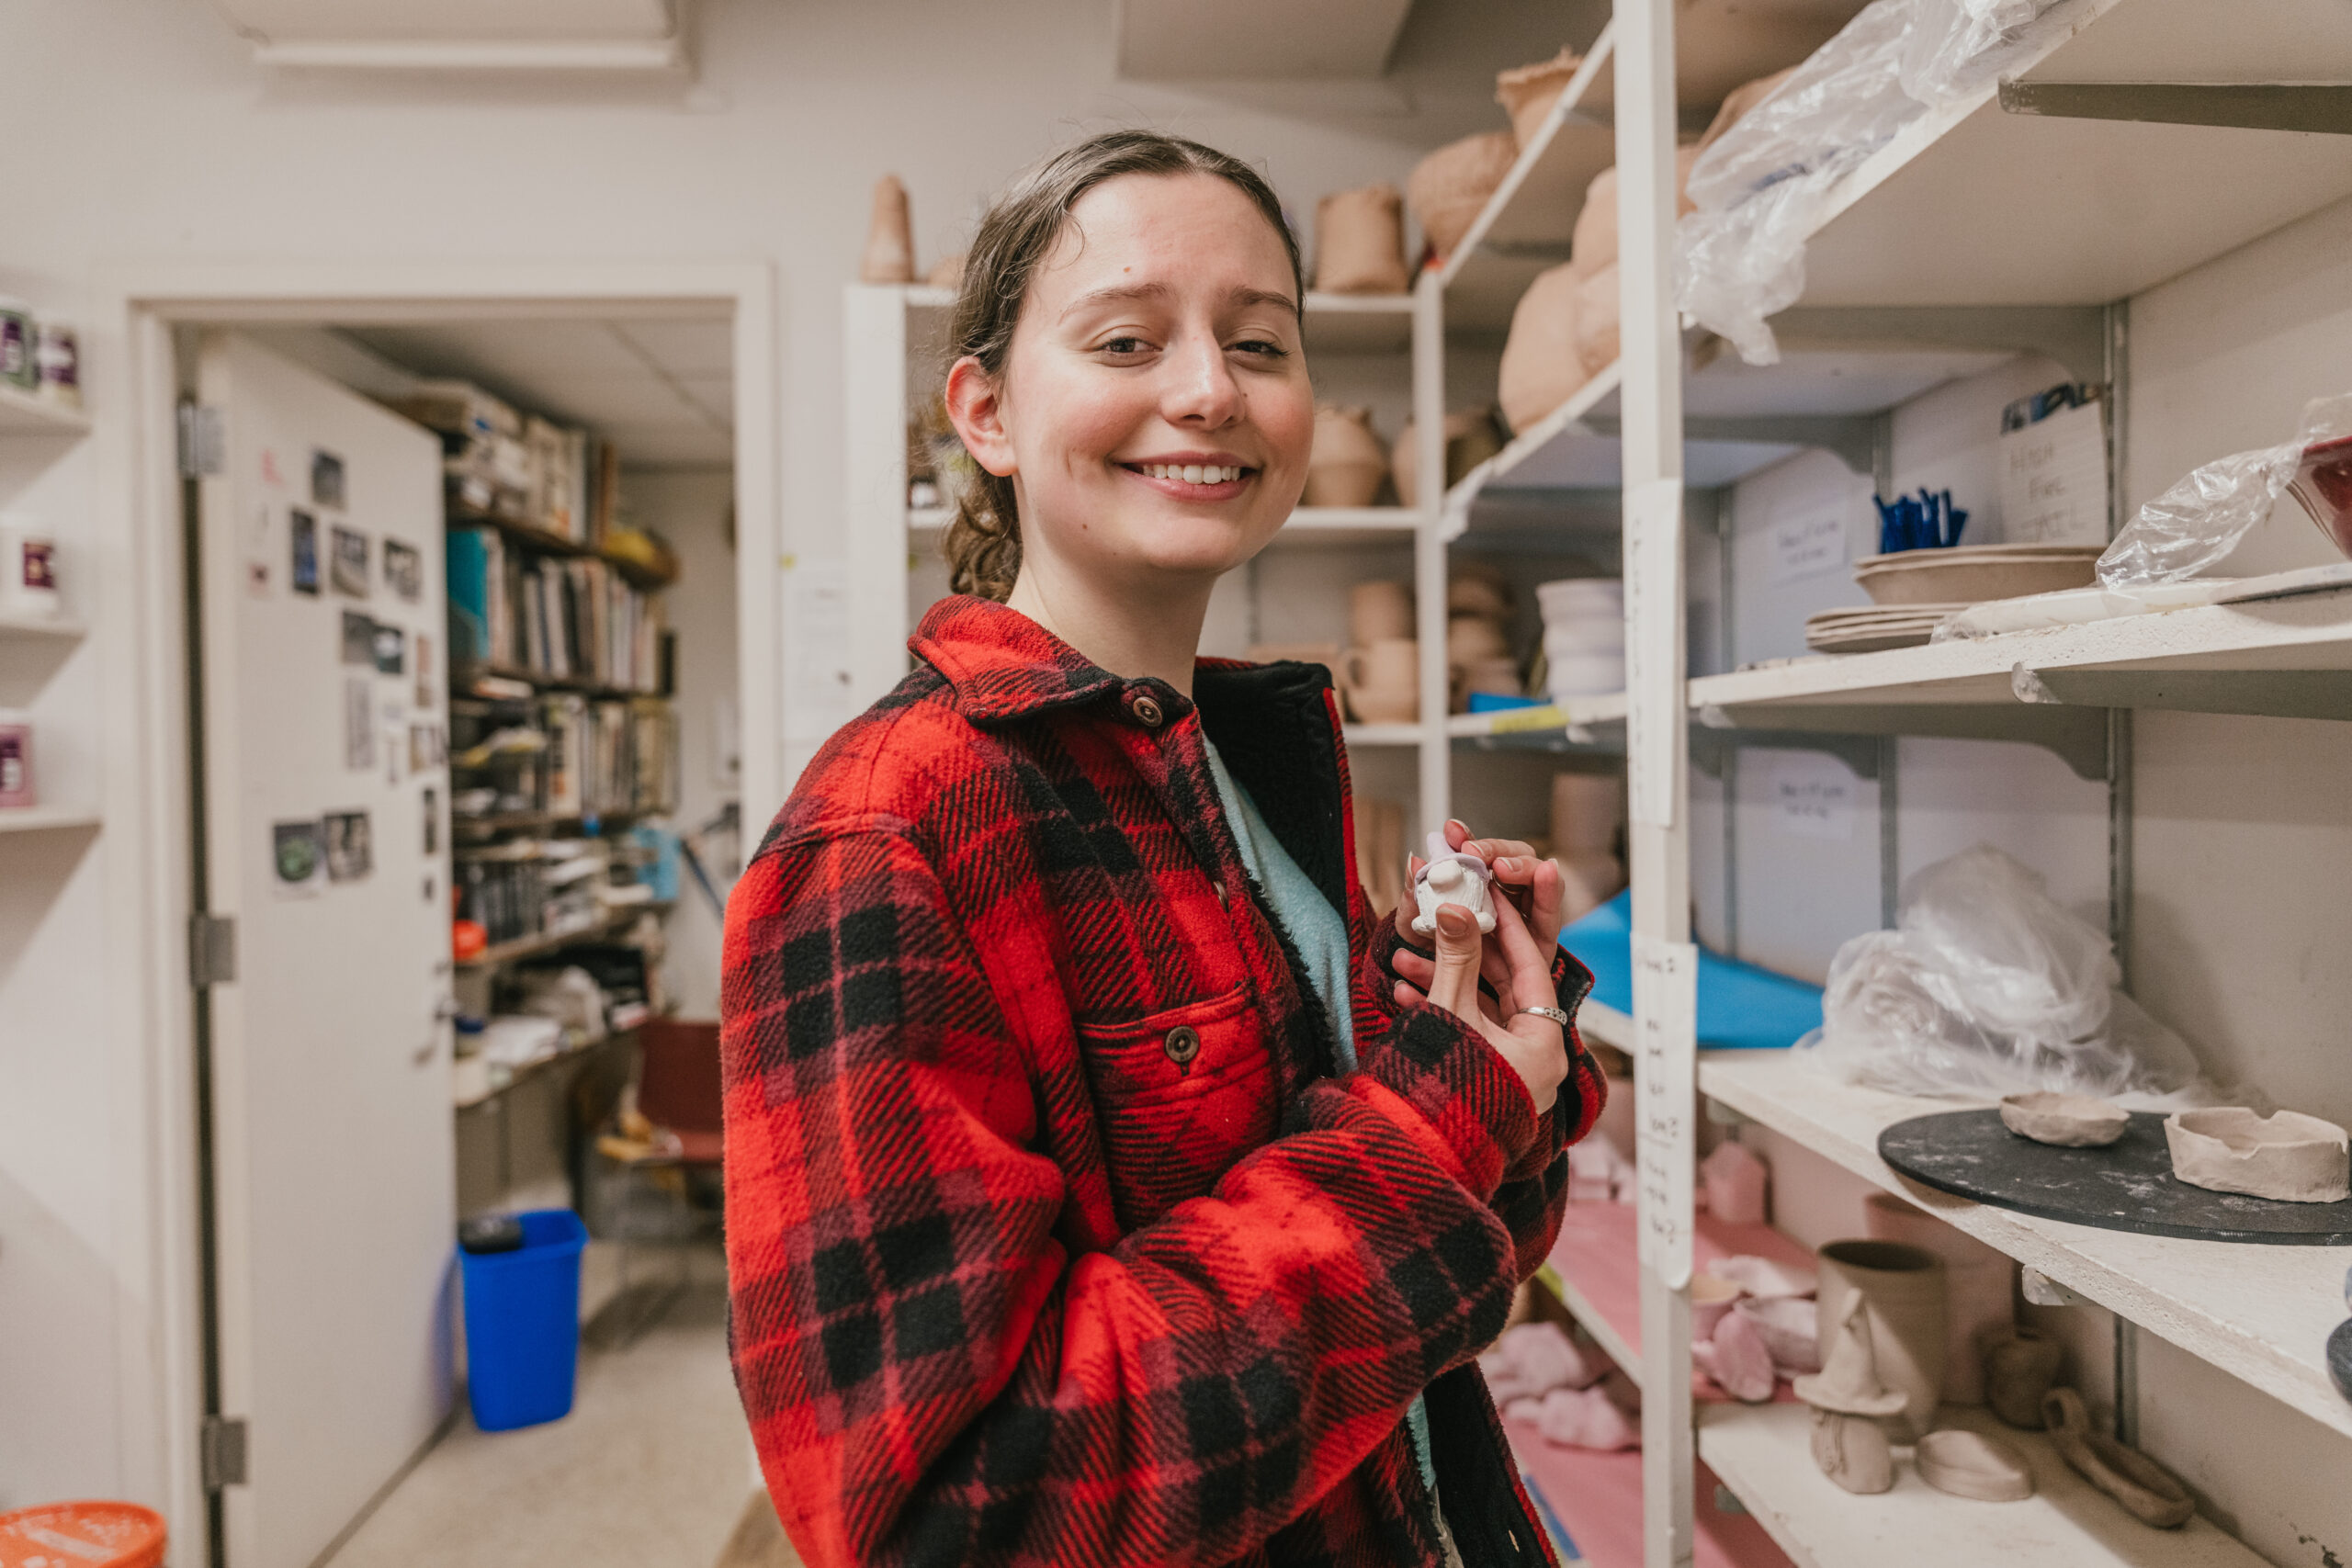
<point>139,130</point>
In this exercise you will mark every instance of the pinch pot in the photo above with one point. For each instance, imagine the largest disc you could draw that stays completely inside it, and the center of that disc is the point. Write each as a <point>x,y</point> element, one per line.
<point>2288,1155</point>
<point>2066,1121</point>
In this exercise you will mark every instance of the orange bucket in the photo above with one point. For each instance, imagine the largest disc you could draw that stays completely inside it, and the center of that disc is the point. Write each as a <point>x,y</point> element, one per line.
<point>81,1535</point>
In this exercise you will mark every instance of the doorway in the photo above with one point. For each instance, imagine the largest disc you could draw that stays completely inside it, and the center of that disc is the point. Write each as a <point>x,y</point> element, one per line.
<point>700,338</point>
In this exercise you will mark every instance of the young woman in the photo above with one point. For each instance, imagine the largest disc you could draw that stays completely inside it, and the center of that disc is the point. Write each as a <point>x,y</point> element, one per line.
<point>1106,1183</point>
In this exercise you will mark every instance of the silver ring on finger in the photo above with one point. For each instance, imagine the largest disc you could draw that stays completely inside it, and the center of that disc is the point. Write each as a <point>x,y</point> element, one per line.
<point>1556,1014</point>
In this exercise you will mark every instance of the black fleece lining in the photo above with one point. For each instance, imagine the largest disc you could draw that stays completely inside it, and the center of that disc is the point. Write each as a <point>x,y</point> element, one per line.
<point>1271,724</point>
<point>1474,1469</point>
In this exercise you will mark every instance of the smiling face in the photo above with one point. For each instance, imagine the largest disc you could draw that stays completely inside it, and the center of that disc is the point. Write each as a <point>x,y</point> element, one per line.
<point>1154,413</point>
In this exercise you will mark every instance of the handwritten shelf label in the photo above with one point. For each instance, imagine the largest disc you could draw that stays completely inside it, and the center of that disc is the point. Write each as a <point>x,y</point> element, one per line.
<point>1666,1009</point>
<point>1810,795</point>
<point>1810,545</point>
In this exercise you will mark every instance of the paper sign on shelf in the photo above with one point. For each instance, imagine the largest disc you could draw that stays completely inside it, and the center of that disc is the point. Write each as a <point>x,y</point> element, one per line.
<point>1665,1011</point>
<point>2053,479</point>
<point>1810,544</point>
<point>1810,795</point>
<point>1653,646</point>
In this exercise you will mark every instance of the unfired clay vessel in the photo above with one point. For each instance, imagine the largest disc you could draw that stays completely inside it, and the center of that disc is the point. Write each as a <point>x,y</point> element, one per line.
<point>1970,1464</point>
<point>1382,681</point>
<point>1348,461</point>
<point>1980,1287</point>
<point>1735,1183</point>
<point>889,255</point>
<point>1359,242</point>
<point>1581,1418</point>
<point>1592,243</point>
<point>2286,1155</point>
<point>1473,588</point>
<point>1741,99</point>
<point>1449,186</point>
<point>1378,610</point>
<point>2066,1121</point>
<point>2147,1490</point>
<point>2020,1367</point>
<point>1790,1330</point>
<point>1710,1298</point>
<point>1451,878</point>
<point>1528,92</point>
<point>1470,439</point>
<point>1530,1361</point>
<point>1765,1278</point>
<point>1849,1400</point>
<point>1597,313</point>
<point>1540,369</point>
<point>1736,1358</point>
<point>1904,1289</point>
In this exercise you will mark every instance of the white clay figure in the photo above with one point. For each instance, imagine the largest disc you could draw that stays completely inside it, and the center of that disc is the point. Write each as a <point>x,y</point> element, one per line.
<point>1451,877</point>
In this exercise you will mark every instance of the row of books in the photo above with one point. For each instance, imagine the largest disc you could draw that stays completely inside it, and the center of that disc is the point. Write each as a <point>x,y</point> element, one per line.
<point>497,459</point>
<point>514,609</point>
<point>605,758</point>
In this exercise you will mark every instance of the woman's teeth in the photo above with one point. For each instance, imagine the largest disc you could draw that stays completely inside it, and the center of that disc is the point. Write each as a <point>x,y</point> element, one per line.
<point>1192,473</point>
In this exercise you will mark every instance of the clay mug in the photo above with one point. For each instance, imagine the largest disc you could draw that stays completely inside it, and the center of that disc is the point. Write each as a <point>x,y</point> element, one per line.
<point>1981,1287</point>
<point>1360,242</point>
<point>1902,1286</point>
<point>1469,639</point>
<point>1378,612</point>
<point>1383,679</point>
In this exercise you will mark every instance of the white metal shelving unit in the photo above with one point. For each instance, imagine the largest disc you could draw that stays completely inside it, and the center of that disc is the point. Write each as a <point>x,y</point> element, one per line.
<point>32,647</point>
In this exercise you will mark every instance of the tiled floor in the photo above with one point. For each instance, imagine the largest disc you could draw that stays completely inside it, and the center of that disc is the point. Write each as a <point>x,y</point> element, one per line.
<point>651,1470</point>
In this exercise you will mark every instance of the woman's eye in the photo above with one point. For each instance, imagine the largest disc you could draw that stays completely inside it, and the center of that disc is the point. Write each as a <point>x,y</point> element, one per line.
<point>1123,345</point>
<point>1264,348</point>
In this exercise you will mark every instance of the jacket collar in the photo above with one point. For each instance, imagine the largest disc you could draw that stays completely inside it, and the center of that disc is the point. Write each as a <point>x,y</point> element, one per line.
<point>1002,666</point>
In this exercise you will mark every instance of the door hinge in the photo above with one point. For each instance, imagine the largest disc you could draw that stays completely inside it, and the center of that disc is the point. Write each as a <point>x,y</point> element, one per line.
<point>203,446</point>
<point>212,950</point>
<point>222,1451</point>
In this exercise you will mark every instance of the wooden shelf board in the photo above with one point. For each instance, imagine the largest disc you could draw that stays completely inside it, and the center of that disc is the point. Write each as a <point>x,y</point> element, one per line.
<point>548,541</point>
<point>465,673</point>
<point>2309,631</point>
<point>1598,1499</point>
<point>1763,1453</point>
<point>1358,323</point>
<point>1363,735</point>
<point>2113,206</point>
<point>21,414</point>
<point>2262,1313</point>
<point>45,819</point>
<point>1598,1021</point>
<point>530,946</point>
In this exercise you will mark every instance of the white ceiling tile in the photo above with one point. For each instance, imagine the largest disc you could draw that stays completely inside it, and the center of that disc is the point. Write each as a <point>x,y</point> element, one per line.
<point>685,348</point>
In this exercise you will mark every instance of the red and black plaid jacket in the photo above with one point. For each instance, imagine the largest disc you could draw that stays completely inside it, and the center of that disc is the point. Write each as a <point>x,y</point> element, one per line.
<point>1055,1235</point>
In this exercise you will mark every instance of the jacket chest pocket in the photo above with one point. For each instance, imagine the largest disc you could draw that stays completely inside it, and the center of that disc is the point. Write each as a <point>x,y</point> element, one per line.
<point>1179,1097</point>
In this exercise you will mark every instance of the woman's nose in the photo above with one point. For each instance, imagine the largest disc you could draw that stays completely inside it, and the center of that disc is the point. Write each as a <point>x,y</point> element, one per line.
<point>1201,390</point>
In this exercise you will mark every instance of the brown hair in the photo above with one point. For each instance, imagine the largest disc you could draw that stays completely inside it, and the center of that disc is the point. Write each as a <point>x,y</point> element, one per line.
<point>983,544</point>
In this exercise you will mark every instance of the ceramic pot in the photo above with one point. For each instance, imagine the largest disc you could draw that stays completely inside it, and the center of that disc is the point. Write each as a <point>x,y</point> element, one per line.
<point>1348,462</point>
<point>1736,1182</point>
<point>1592,244</point>
<point>1472,637</point>
<point>1540,369</point>
<point>1382,681</point>
<point>1359,242</point>
<point>1470,439</point>
<point>2286,1155</point>
<point>1378,611</point>
<point>889,256</point>
<point>1980,1287</point>
<point>2020,1366</point>
<point>1476,589</point>
<point>1740,100</point>
<point>1528,92</point>
<point>1584,674</point>
<point>1448,187</point>
<point>1586,811</point>
<point>1903,1289</point>
<point>2063,1120</point>
<point>1711,1300</point>
<point>1596,319</point>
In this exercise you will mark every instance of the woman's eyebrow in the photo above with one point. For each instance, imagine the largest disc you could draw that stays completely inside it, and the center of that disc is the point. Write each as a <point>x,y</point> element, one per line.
<point>1123,293</point>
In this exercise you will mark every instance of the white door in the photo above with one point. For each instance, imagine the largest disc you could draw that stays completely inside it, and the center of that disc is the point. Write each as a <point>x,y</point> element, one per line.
<point>326,799</point>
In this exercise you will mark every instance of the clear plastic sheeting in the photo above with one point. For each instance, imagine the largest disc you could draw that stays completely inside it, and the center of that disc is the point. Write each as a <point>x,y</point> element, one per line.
<point>2201,518</point>
<point>1759,189</point>
<point>1987,988</point>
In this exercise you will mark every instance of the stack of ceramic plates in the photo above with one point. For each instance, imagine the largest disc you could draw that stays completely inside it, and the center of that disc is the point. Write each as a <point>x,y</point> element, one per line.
<point>1974,573</point>
<point>1866,631</point>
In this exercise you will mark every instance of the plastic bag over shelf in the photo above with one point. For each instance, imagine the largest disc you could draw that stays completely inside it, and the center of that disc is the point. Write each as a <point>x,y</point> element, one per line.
<point>2201,518</point>
<point>1759,189</point>
<point>1986,987</point>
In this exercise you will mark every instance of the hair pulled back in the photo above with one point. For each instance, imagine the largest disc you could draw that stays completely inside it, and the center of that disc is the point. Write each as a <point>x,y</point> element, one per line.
<point>983,543</point>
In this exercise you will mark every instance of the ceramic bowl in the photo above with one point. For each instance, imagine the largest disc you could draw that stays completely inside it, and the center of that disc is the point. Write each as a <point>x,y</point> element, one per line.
<point>1970,574</point>
<point>2286,1155</point>
<point>2068,1121</point>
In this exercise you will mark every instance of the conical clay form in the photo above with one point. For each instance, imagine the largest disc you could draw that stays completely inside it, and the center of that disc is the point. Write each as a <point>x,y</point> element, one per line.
<point>889,236</point>
<point>1980,1287</point>
<point>1849,1381</point>
<point>1904,1287</point>
<point>1852,1452</point>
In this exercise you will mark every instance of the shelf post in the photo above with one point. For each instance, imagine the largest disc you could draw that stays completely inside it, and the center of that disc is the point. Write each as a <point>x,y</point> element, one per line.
<point>1435,750</point>
<point>1658,759</point>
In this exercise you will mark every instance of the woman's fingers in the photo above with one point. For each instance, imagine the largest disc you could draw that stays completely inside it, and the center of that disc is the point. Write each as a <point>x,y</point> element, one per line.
<point>1531,966</point>
<point>1535,882</point>
<point>1415,971</point>
<point>1454,984</point>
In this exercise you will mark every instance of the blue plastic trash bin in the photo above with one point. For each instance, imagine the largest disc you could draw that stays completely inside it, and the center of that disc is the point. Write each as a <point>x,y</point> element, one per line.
<point>523,1323</point>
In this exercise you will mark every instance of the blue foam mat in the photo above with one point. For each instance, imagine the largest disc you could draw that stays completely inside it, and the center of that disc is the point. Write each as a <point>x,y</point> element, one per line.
<point>1741,1008</point>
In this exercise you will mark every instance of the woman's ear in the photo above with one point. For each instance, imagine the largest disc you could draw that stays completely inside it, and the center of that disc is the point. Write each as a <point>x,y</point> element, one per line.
<point>976,407</point>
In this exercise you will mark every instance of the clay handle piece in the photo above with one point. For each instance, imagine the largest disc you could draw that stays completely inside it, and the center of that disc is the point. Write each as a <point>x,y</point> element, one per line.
<point>2146,1490</point>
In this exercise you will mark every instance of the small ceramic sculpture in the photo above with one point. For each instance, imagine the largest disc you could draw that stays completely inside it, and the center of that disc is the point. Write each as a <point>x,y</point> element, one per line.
<point>2287,1155</point>
<point>1581,1418</point>
<point>1734,1355</point>
<point>1528,92</point>
<point>1451,878</point>
<point>2147,1490</point>
<point>1970,1464</point>
<point>1764,1278</point>
<point>1530,1361</point>
<point>1448,187</point>
<point>1596,335</point>
<point>1711,1298</point>
<point>1790,1330</point>
<point>1980,1287</point>
<point>1849,1400</point>
<point>2020,1367</point>
<point>1904,1287</point>
<point>2063,1120</point>
<point>1736,1182</point>
<point>1348,461</point>
<point>1540,369</point>
<point>889,236</point>
<point>1359,242</point>
<point>1740,101</point>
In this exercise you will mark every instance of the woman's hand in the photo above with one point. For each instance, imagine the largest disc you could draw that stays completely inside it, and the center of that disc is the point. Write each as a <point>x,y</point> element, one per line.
<point>1527,882</point>
<point>1535,1047</point>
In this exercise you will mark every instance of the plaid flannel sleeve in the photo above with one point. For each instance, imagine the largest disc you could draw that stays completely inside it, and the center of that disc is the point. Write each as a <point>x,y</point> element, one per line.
<point>931,1376</point>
